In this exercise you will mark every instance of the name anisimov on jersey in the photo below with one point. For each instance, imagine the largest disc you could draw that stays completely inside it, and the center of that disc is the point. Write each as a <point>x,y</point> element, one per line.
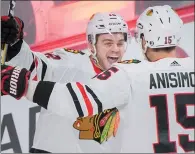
<point>172,80</point>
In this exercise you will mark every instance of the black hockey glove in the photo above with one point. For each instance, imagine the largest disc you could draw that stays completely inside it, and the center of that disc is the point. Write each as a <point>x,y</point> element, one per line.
<point>14,81</point>
<point>11,29</point>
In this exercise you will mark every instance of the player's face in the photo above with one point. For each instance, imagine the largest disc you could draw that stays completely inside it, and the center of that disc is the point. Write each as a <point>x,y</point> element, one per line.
<point>110,48</point>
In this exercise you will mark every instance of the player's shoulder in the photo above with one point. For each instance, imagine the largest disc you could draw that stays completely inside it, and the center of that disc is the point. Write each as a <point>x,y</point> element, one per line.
<point>130,61</point>
<point>66,54</point>
<point>68,58</point>
<point>162,64</point>
<point>188,61</point>
<point>174,63</point>
<point>74,51</point>
<point>130,64</point>
<point>69,52</point>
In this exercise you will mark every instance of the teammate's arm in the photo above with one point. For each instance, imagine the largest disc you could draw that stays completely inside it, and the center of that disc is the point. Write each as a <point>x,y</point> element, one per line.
<point>107,90</point>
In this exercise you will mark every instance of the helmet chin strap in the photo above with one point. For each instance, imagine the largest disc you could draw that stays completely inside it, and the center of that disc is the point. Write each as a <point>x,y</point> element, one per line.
<point>95,52</point>
<point>94,56</point>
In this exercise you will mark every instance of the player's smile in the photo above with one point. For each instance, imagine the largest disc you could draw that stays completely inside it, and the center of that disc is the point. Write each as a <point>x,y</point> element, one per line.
<point>112,59</point>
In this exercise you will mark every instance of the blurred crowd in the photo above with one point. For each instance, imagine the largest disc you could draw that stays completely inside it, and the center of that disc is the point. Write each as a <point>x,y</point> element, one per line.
<point>39,24</point>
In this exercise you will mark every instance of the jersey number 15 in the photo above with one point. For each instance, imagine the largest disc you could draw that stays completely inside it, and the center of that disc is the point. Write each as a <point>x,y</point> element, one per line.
<point>181,100</point>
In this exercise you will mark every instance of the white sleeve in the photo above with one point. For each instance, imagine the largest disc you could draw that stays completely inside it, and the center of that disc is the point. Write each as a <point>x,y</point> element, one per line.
<point>40,65</point>
<point>108,90</point>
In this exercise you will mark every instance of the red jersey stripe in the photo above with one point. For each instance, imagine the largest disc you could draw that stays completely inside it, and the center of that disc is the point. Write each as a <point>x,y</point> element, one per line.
<point>86,99</point>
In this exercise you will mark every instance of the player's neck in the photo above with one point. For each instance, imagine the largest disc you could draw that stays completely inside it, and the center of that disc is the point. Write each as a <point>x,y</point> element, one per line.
<point>154,56</point>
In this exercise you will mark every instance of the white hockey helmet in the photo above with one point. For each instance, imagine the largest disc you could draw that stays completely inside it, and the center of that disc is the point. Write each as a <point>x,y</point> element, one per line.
<point>101,23</point>
<point>160,26</point>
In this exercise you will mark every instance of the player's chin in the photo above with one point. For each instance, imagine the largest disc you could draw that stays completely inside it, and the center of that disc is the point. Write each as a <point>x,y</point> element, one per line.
<point>108,65</point>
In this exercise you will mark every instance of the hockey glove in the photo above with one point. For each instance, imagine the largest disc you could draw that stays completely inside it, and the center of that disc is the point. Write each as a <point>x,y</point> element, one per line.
<point>11,29</point>
<point>14,81</point>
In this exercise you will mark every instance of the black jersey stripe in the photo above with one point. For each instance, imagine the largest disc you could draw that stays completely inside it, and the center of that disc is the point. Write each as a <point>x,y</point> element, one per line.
<point>98,102</point>
<point>75,100</point>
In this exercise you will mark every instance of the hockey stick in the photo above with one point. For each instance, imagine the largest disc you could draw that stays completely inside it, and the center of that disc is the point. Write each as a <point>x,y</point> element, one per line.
<point>12,5</point>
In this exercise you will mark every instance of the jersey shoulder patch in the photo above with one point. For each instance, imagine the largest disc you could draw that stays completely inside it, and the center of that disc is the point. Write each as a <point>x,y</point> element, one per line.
<point>131,61</point>
<point>74,51</point>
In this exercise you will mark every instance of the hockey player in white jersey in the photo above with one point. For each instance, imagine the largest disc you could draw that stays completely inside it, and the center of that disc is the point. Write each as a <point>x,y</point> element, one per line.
<point>107,36</point>
<point>156,94</point>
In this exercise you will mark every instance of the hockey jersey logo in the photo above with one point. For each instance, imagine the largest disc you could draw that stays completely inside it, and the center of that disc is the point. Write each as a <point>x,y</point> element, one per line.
<point>175,63</point>
<point>74,51</point>
<point>99,127</point>
<point>135,61</point>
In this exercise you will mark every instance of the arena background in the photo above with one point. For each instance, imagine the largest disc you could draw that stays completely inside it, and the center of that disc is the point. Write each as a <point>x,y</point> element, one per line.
<point>54,24</point>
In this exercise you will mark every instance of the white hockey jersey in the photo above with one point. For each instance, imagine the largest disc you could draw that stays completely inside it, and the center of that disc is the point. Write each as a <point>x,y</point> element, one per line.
<point>157,99</point>
<point>60,66</point>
